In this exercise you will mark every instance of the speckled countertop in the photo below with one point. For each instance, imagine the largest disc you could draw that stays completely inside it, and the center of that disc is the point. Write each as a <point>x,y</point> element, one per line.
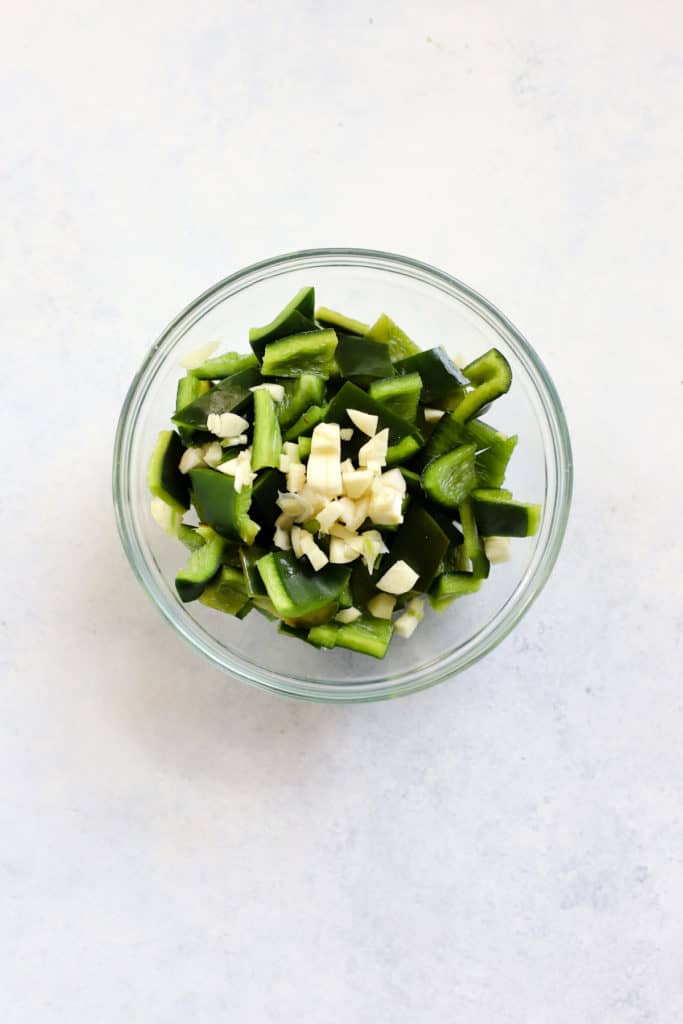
<point>177,847</point>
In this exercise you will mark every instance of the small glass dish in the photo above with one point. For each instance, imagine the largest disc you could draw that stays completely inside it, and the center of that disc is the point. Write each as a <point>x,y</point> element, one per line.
<point>434,309</point>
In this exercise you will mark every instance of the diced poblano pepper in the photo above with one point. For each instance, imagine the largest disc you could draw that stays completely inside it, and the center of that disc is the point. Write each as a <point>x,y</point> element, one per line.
<point>164,478</point>
<point>312,352</point>
<point>221,506</point>
<point>296,317</point>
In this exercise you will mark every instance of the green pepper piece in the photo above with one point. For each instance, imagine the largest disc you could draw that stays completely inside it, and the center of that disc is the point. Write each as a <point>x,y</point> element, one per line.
<point>225,365</point>
<point>346,324</point>
<point>472,546</point>
<point>311,352</point>
<point>324,636</point>
<point>164,478</point>
<point>362,584</point>
<point>350,396</point>
<point>400,346</point>
<point>491,376</point>
<point>190,537</point>
<point>189,390</point>
<point>305,445</point>
<point>493,448</point>
<point>249,556</point>
<point>221,506</point>
<point>366,635</point>
<point>439,375</point>
<point>227,594</point>
<point>421,543</point>
<point>264,606</point>
<point>449,479</point>
<point>264,494</point>
<point>362,359</point>
<point>267,437</point>
<point>297,316</point>
<point>229,395</point>
<point>398,394</point>
<point>412,479</point>
<point>300,394</point>
<point>401,452</point>
<point>295,588</point>
<point>451,585</point>
<point>296,633</point>
<point>202,566</point>
<point>316,618</point>
<point>306,423</point>
<point>498,516</point>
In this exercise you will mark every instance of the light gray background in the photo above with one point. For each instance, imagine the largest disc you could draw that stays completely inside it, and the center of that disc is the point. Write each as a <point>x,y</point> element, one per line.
<point>178,847</point>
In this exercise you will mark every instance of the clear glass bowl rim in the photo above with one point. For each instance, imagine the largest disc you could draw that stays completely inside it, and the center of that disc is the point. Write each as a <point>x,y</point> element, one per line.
<point>528,587</point>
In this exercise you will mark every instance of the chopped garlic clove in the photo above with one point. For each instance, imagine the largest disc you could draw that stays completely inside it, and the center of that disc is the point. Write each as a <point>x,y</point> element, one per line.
<point>328,515</point>
<point>295,538</point>
<point>346,433</point>
<point>229,467</point>
<point>356,482</point>
<point>395,479</point>
<point>382,606</point>
<point>291,450</point>
<point>232,442</point>
<point>276,391</point>
<point>194,359</point>
<point>347,615</point>
<point>296,506</point>
<point>323,470</point>
<point>316,501</point>
<point>373,547</point>
<point>244,474</point>
<point>374,451</point>
<point>433,415</point>
<point>399,579</point>
<point>341,553</point>
<point>296,477</point>
<point>168,519</point>
<point>360,513</point>
<point>281,539</point>
<point>407,623</point>
<point>226,424</point>
<point>497,549</point>
<point>365,421</point>
<point>315,555</point>
<point>191,458</point>
<point>213,454</point>
<point>386,504</point>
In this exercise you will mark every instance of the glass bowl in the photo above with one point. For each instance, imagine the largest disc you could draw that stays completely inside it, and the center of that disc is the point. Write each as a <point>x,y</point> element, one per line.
<point>434,309</point>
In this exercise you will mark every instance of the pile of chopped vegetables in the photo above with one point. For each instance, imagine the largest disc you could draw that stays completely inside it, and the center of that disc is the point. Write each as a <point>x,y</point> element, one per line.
<point>340,476</point>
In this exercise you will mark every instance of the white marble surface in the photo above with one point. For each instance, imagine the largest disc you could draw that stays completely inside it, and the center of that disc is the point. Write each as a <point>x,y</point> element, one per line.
<point>177,847</point>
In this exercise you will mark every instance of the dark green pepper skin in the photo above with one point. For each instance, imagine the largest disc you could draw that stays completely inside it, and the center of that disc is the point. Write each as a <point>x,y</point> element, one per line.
<point>491,376</point>
<point>296,318</point>
<point>440,376</point>
<point>164,478</point>
<point>218,504</point>
<point>295,588</point>
<point>501,517</point>
<point>264,508</point>
<point>421,543</point>
<point>449,479</point>
<point>229,395</point>
<point>249,556</point>
<point>362,359</point>
<point>493,449</point>
<point>350,396</point>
